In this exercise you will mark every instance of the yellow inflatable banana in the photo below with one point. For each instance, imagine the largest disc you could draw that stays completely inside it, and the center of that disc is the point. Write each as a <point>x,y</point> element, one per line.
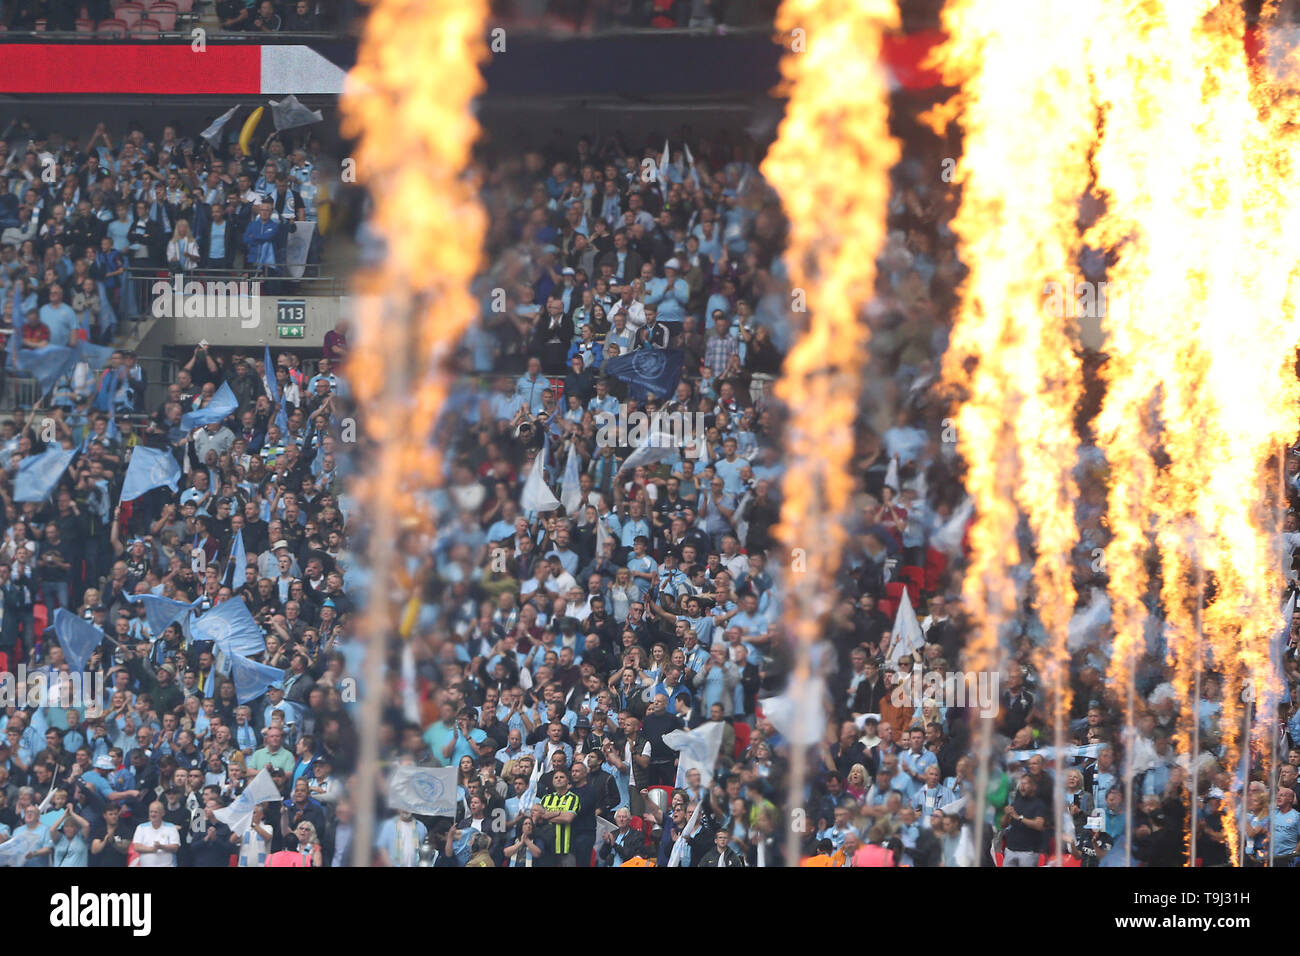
<point>250,126</point>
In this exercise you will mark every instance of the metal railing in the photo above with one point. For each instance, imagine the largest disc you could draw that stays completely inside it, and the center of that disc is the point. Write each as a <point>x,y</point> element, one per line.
<point>22,391</point>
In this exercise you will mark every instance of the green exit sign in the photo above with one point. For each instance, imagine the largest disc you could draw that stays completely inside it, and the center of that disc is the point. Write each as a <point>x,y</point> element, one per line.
<point>290,331</point>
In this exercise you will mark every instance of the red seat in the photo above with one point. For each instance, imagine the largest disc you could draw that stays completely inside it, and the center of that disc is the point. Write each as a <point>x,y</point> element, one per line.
<point>164,13</point>
<point>936,562</point>
<point>111,28</point>
<point>742,739</point>
<point>888,606</point>
<point>41,618</point>
<point>913,575</point>
<point>146,30</point>
<point>184,6</point>
<point>894,589</point>
<point>85,26</point>
<point>40,26</point>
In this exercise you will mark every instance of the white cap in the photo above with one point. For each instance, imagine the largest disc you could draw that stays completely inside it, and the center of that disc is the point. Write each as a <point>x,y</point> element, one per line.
<point>673,264</point>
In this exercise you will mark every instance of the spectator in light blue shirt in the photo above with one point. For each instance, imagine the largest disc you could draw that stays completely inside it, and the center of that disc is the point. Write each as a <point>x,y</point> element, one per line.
<point>729,467</point>
<point>1286,824</point>
<point>531,385</point>
<point>59,318</point>
<point>915,761</point>
<point>670,293</point>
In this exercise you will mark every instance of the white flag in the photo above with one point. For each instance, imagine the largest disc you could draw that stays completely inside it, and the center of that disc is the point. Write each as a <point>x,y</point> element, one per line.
<point>948,538</point>
<point>239,815</point>
<point>679,847</point>
<point>570,495</point>
<point>908,638</point>
<point>297,246</point>
<point>655,448</point>
<point>698,750</point>
<point>13,852</point>
<point>212,133</point>
<point>537,495</point>
<point>288,113</point>
<point>891,475</point>
<point>428,791</point>
<point>802,721</point>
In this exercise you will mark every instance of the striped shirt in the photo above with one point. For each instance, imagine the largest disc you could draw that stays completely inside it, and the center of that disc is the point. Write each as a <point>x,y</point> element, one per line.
<point>566,803</point>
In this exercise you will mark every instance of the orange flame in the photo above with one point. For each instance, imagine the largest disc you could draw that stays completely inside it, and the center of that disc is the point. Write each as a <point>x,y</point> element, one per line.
<point>831,166</point>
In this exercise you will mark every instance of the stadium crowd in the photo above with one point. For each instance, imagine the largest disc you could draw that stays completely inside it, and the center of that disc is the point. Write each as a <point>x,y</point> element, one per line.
<point>590,598</point>
<point>79,220</point>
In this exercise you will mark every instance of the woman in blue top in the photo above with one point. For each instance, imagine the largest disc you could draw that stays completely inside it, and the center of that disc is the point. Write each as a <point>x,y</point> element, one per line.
<point>70,839</point>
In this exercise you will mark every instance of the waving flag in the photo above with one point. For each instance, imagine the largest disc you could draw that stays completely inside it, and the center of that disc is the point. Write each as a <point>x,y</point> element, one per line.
<point>77,637</point>
<point>213,132</point>
<point>109,385</point>
<point>161,611</point>
<point>273,392</point>
<point>13,852</point>
<point>648,370</point>
<point>537,495</point>
<point>96,356</point>
<point>237,564</point>
<point>698,750</point>
<point>655,447</point>
<point>239,815</point>
<point>428,791</point>
<point>38,475</point>
<point>149,469</point>
<point>223,403</point>
<point>679,845</point>
<point>949,537</point>
<point>288,113</point>
<point>46,364</point>
<point>570,495</point>
<point>251,678</point>
<point>1275,688</point>
<point>891,475</point>
<point>231,627</point>
<point>908,638</point>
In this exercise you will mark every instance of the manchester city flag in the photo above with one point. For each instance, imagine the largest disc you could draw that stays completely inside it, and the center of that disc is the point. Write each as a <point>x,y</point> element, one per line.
<point>649,370</point>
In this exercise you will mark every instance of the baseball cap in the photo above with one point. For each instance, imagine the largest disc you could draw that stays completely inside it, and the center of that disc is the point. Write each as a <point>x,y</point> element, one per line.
<point>567,271</point>
<point>478,735</point>
<point>673,264</point>
<point>104,762</point>
<point>280,544</point>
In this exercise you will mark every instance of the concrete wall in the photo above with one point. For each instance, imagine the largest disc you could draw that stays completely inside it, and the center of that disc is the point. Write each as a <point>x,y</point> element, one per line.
<point>320,314</point>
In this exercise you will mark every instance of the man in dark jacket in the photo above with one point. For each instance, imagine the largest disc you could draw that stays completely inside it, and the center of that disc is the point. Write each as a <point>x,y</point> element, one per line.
<point>721,854</point>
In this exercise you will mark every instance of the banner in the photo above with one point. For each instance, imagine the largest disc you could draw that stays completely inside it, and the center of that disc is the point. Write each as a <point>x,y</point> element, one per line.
<point>428,791</point>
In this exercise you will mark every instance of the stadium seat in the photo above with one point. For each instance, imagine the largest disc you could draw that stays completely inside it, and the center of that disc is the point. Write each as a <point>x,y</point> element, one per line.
<point>742,738</point>
<point>936,562</point>
<point>164,14</point>
<point>146,30</point>
<point>111,28</point>
<point>132,12</point>
<point>85,26</point>
<point>184,6</point>
<point>40,26</point>
<point>40,618</point>
<point>888,606</point>
<point>914,576</point>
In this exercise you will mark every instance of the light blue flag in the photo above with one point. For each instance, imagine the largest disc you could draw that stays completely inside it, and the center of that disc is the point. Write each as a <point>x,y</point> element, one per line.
<point>96,356</point>
<point>231,626</point>
<point>77,637</point>
<point>271,383</point>
<point>251,678</point>
<point>223,403</point>
<point>38,475</point>
<point>281,416</point>
<point>149,469</point>
<point>237,564</point>
<point>160,611</point>
<point>46,364</point>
